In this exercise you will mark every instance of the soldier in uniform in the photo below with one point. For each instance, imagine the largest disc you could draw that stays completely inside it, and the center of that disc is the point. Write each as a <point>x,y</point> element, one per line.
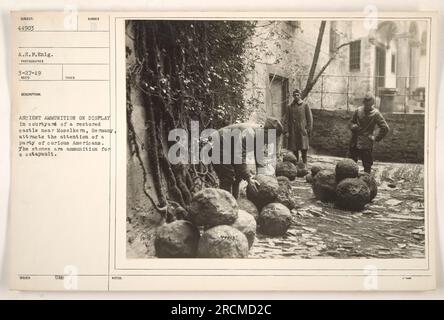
<point>362,125</point>
<point>231,174</point>
<point>299,126</point>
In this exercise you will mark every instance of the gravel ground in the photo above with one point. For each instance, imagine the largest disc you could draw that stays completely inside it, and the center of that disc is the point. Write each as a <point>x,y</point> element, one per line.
<point>391,226</point>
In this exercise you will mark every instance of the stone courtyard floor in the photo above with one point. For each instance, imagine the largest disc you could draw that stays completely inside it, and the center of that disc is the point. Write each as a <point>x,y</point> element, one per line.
<point>391,226</point>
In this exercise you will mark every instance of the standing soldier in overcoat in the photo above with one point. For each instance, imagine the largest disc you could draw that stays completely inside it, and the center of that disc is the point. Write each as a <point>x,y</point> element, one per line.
<point>363,125</point>
<point>298,126</point>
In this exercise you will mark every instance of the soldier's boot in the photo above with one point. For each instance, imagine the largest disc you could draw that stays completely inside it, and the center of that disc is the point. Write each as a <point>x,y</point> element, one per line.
<point>304,156</point>
<point>225,185</point>
<point>236,188</point>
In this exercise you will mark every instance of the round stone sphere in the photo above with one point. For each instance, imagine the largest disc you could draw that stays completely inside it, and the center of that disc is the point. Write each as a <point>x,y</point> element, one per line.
<point>267,191</point>
<point>371,183</point>
<point>246,224</point>
<point>248,206</point>
<point>324,186</point>
<point>223,242</point>
<point>286,169</point>
<point>301,170</point>
<point>352,194</point>
<point>346,168</point>
<point>274,219</point>
<point>283,181</point>
<point>315,170</point>
<point>286,194</point>
<point>212,207</point>
<point>178,239</point>
<point>289,156</point>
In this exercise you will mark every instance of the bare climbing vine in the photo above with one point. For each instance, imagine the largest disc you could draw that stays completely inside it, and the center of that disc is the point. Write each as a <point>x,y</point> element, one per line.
<point>182,71</point>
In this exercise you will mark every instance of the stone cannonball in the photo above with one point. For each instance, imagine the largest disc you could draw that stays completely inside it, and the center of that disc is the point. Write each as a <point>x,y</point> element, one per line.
<point>346,168</point>
<point>274,219</point>
<point>324,186</point>
<point>223,242</point>
<point>211,207</point>
<point>267,191</point>
<point>246,224</point>
<point>178,239</point>
<point>352,194</point>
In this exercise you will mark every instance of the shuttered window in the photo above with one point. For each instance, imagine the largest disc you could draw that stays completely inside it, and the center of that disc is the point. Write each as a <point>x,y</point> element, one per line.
<point>355,55</point>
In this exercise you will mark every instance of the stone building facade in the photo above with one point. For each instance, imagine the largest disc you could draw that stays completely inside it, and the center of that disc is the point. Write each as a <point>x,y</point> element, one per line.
<point>387,58</point>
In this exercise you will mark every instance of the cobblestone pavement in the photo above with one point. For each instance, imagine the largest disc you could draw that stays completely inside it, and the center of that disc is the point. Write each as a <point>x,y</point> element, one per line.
<point>391,226</point>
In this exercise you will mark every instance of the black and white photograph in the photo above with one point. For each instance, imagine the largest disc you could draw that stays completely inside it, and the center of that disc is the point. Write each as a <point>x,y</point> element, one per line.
<point>276,139</point>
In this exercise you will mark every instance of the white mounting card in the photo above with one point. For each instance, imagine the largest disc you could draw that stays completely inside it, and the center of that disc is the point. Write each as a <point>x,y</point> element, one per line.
<point>98,203</point>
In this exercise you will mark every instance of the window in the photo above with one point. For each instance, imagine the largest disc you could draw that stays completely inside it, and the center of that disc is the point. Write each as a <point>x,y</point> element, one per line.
<point>355,55</point>
<point>393,68</point>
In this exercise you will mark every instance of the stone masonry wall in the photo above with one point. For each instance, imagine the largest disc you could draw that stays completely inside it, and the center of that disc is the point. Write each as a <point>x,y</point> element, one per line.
<point>404,143</point>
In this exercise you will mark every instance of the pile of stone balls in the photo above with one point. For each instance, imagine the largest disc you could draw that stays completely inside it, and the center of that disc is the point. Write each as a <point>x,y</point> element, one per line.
<point>227,230</point>
<point>346,186</point>
<point>273,201</point>
<point>218,226</point>
<point>290,167</point>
